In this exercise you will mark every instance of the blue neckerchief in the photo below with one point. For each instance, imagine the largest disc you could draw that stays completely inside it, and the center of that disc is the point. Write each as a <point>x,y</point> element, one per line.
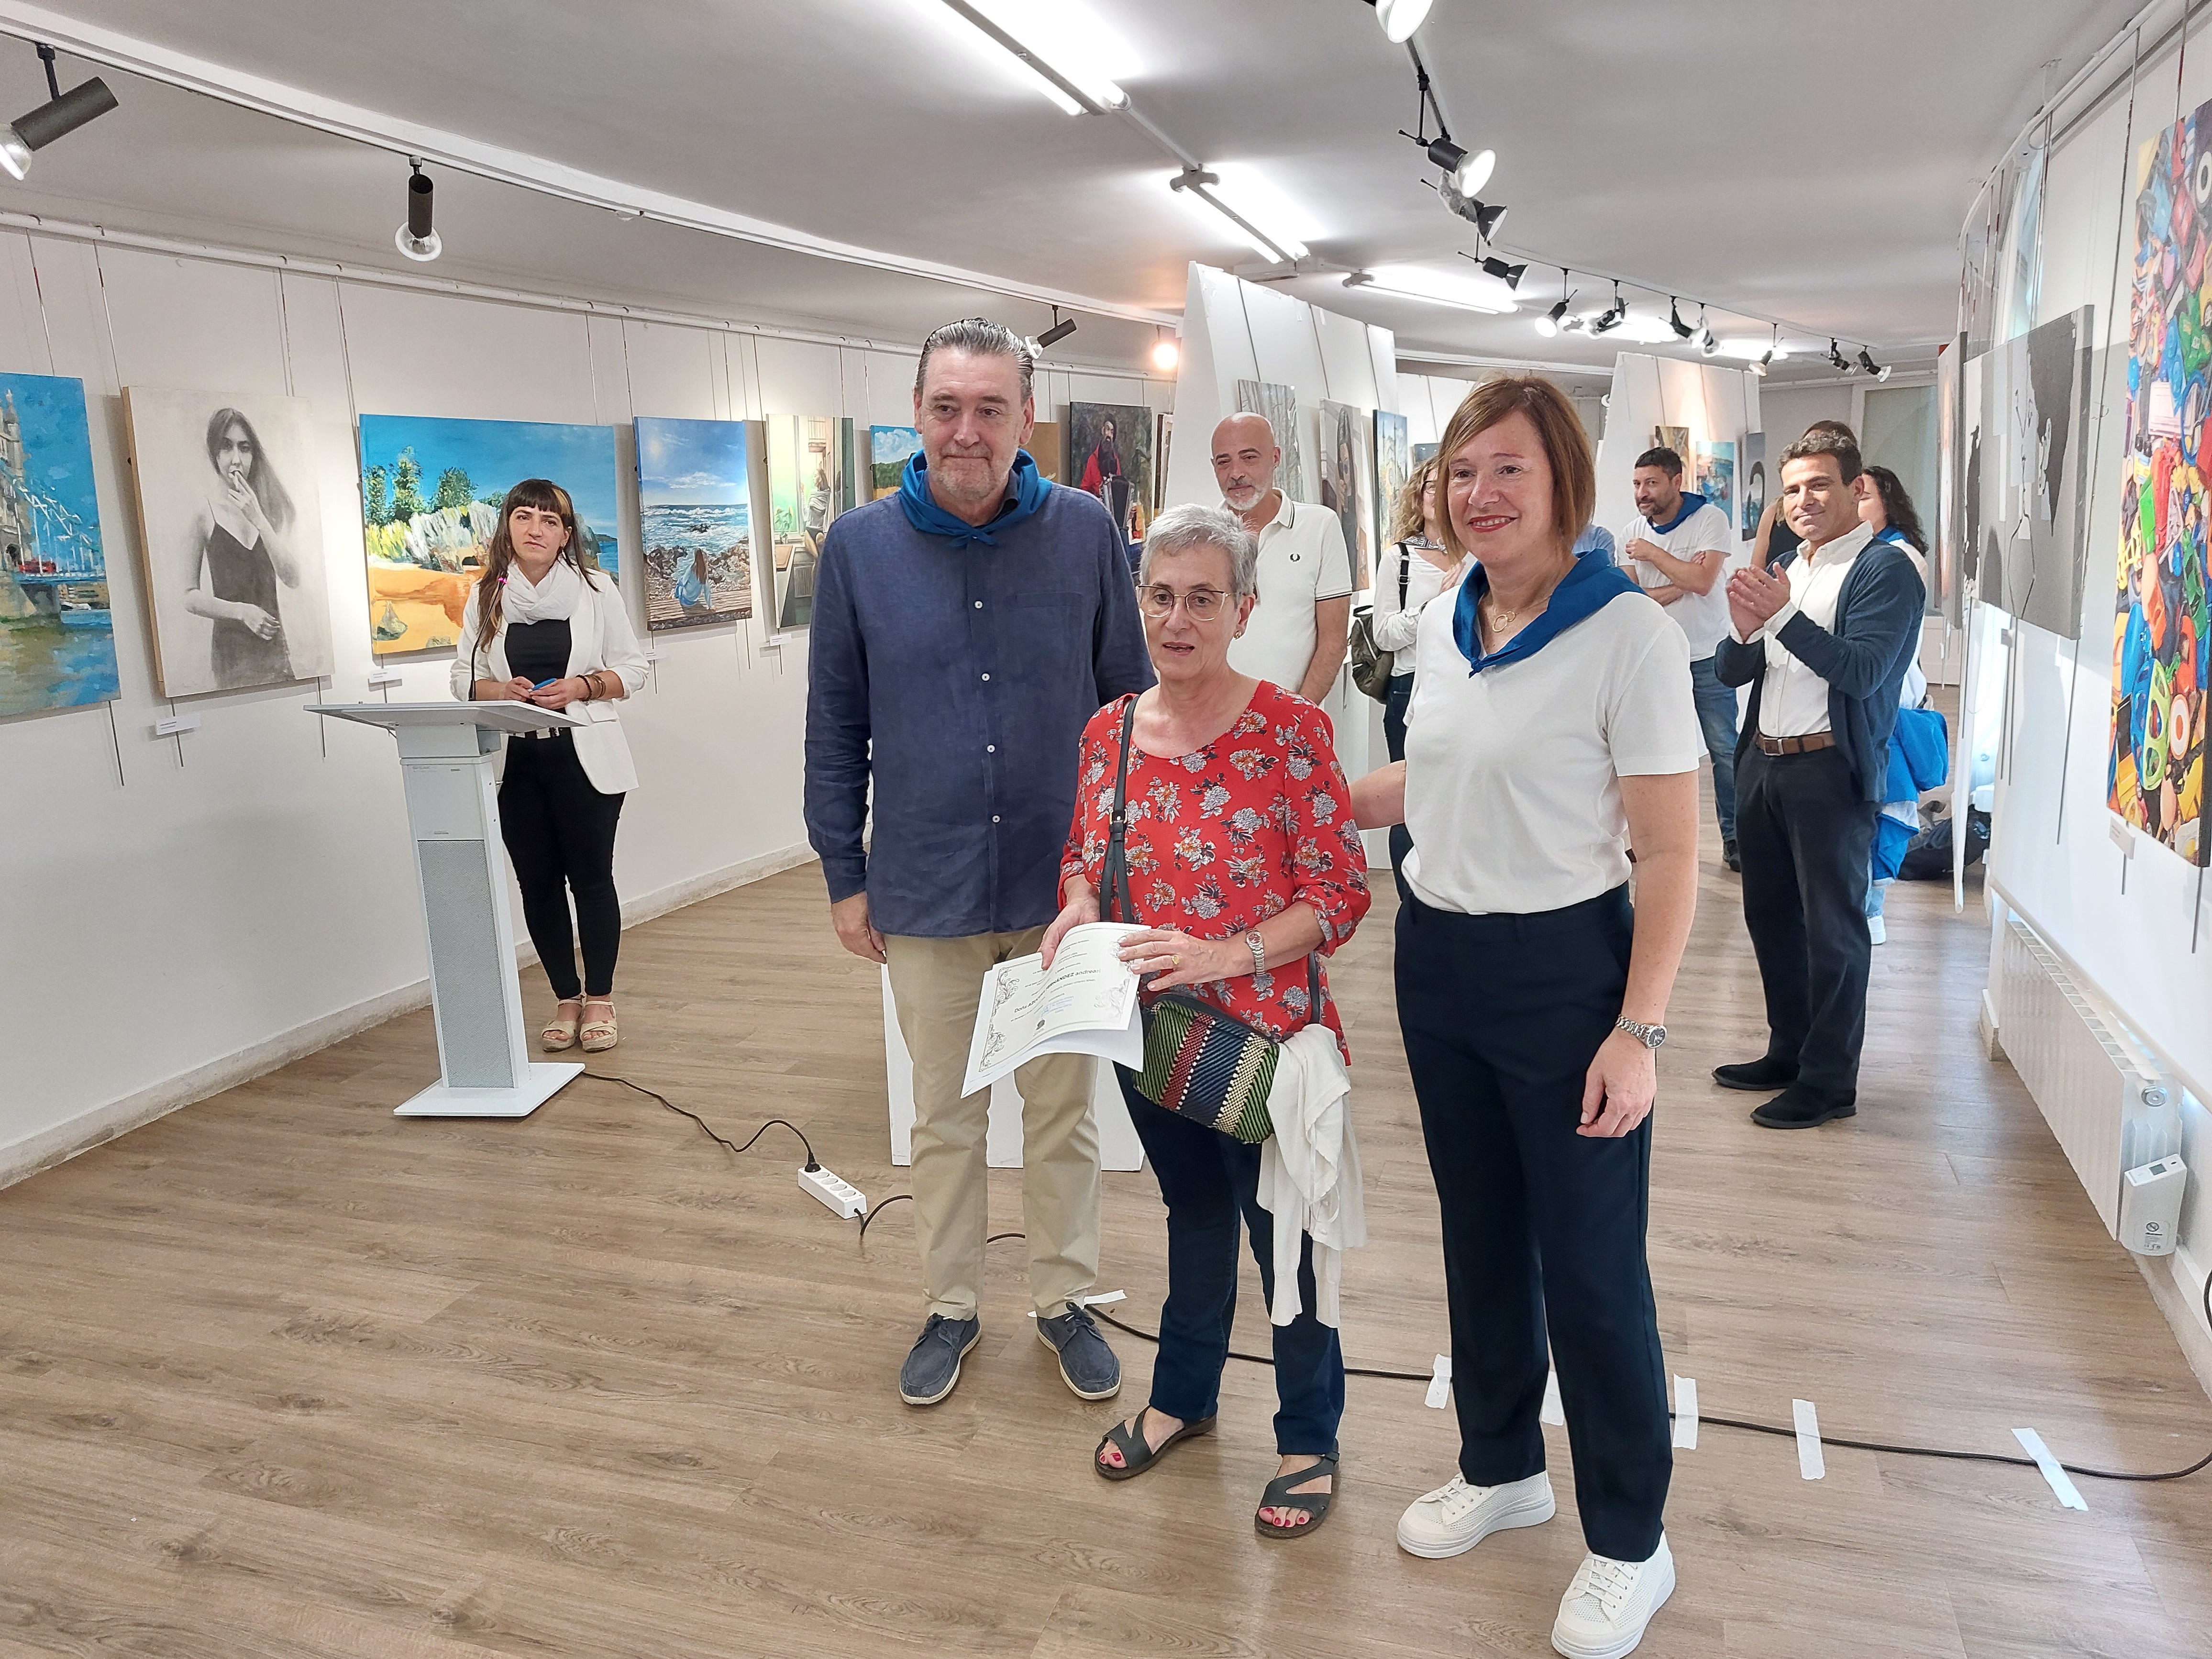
<point>1585,590</point>
<point>1030,488</point>
<point>1690,503</point>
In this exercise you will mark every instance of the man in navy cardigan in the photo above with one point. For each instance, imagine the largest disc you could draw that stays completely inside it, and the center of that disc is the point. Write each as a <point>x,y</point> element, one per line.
<point>1823,640</point>
<point>965,631</point>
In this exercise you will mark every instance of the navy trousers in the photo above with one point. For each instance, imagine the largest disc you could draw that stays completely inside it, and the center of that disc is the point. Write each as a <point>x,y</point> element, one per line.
<point>1543,1229</point>
<point>1208,1178</point>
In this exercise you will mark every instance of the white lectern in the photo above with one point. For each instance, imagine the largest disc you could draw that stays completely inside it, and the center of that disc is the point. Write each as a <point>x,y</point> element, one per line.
<point>445,751</point>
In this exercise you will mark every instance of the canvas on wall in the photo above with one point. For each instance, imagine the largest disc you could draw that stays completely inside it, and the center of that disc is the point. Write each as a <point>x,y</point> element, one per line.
<point>694,519</point>
<point>1342,436</point>
<point>1425,452</point>
<point>1109,455</point>
<point>1676,438</point>
<point>809,482</point>
<point>1044,449</point>
<point>1752,481</point>
<point>1393,464</point>
<point>1280,404</point>
<point>431,490</point>
<point>1713,467</point>
<point>57,628</point>
<point>2154,776</point>
<point>1946,567</point>
<point>1161,442</point>
<point>2026,444</point>
<point>889,448</point>
<point>231,533</point>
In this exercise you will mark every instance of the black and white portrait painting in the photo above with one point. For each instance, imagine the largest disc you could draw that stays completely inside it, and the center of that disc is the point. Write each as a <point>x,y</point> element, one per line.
<point>231,532</point>
<point>2023,505</point>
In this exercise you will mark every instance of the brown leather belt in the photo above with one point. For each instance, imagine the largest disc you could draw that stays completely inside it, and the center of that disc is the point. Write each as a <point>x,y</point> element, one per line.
<point>1804,745</point>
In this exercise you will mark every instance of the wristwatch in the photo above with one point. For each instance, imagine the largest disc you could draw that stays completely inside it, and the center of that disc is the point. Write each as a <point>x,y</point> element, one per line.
<point>1258,947</point>
<point>1650,1036</point>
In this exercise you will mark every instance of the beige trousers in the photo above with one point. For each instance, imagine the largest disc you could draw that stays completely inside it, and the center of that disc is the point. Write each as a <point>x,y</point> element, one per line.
<point>937,984</point>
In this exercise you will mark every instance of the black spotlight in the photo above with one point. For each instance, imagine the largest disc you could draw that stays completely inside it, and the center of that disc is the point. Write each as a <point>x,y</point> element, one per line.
<point>416,238</point>
<point>1842,364</point>
<point>1867,362</point>
<point>1059,330</point>
<point>62,113</point>
<point>1682,329</point>
<point>1612,317</point>
<point>1508,275</point>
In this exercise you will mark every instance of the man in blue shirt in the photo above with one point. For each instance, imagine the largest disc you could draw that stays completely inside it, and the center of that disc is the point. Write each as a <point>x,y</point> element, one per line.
<point>966,630</point>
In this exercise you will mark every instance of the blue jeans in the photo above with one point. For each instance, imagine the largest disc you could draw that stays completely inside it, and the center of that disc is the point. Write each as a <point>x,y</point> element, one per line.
<point>1207,1178</point>
<point>1716,714</point>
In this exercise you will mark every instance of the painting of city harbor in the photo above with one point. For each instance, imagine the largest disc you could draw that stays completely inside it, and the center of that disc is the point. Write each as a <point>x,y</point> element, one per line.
<point>430,491</point>
<point>57,635</point>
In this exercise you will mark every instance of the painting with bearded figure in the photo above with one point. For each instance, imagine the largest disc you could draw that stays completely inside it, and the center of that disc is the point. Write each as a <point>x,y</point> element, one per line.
<point>231,533</point>
<point>1109,455</point>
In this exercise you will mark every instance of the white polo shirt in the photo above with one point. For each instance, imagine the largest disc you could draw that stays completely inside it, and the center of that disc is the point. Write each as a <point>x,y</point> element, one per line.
<point>1703,617</point>
<point>1302,562</point>
<point>1513,775</point>
<point>1793,700</point>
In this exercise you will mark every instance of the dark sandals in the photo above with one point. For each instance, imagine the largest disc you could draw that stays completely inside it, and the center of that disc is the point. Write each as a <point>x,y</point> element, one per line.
<point>1138,1453</point>
<point>1279,1496</point>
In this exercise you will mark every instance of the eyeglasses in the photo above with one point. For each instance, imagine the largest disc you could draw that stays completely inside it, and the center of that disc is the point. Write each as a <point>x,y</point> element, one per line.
<point>1203,603</point>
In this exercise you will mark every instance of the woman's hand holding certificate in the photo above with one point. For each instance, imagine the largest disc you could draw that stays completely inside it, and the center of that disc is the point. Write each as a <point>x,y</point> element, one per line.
<point>1085,1003</point>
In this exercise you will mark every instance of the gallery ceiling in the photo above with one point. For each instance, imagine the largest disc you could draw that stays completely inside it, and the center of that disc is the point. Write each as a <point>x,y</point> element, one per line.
<point>1811,163</point>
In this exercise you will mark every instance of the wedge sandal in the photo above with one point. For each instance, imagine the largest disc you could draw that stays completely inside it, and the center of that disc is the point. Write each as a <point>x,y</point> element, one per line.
<point>1279,1496</point>
<point>1137,1453</point>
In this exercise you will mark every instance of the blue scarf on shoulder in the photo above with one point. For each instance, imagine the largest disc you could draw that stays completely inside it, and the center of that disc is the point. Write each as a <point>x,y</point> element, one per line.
<point>1585,590</point>
<point>1030,488</point>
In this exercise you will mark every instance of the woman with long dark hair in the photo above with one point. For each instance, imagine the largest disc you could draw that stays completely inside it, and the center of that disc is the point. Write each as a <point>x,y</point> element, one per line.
<point>541,627</point>
<point>1888,510</point>
<point>245,553</point>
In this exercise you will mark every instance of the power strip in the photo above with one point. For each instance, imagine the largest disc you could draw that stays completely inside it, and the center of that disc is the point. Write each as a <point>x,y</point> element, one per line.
<point>841,1199</point>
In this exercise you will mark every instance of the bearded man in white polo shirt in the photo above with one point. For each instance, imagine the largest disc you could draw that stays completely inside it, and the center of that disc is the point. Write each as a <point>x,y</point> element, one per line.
<point>1295,636</point>
<point>1680,545</point>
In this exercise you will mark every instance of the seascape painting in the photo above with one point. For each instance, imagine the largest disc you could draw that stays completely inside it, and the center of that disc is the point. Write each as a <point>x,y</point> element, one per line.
<point>1279,403</point>
<point>431,490</point>
<point>694,511</point>
<point>889,448</point>
<point>57,626</point>
<point>1713,467</point>
<point>809,482</point>
<point>230,519</point>
<point>1109,455</point>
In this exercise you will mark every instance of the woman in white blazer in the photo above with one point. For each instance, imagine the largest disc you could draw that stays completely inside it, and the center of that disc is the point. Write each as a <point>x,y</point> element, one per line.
<point>540,628</point>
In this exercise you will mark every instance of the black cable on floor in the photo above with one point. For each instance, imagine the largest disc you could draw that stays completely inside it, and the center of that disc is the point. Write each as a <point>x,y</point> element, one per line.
<point>909,1198</point>
<point>708,1128</point>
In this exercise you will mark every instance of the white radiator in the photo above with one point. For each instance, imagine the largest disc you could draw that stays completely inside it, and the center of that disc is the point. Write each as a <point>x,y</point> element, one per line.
<point>2102,1097</point>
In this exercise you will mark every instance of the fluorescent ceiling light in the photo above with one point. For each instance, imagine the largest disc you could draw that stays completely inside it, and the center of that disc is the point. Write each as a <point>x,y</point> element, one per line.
<point>1399,18</point>
<point>1058,48</point>
<point>1262,218</point>
<point>1749,348</point>
<point>1484,293</point>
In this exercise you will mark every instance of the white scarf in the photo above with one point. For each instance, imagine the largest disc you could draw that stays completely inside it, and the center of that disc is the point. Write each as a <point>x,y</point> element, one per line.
<point>1310,1176</point>
<point>552,599</point>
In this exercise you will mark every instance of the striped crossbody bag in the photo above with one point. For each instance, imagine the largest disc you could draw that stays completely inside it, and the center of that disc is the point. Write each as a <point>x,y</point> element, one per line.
<point>1200,1062</point>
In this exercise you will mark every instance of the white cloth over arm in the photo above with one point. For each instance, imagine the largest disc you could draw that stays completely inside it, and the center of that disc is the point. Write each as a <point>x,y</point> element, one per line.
<point>1309,1172</point>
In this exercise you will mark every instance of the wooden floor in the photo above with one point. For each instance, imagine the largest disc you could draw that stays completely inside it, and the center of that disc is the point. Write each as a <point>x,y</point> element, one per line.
<point>282,1375</point>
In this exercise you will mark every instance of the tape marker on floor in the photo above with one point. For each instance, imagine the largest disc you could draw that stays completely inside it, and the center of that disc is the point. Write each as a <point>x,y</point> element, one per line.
<point>1810,1463</point>
<point>2069,1495</point>
<point>1553,1411</point>
<point>1686,1413</point>
<point>1440,1383</point>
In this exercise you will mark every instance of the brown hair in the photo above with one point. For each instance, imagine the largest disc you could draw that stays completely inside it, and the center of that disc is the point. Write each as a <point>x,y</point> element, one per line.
<point>1407,518</point>
<point>547,497</point>
<point>1566,446</point>
<point>1841,447</point>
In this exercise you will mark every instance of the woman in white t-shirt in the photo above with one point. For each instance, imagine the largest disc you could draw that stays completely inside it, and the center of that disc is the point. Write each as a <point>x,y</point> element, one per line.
<point>1552,725</point>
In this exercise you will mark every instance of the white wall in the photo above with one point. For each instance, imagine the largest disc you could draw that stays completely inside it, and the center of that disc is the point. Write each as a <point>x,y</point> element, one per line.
<point>180,914</point>
<point>1790,409</point>
<point>1718,403</point>
<point>2137,928</point>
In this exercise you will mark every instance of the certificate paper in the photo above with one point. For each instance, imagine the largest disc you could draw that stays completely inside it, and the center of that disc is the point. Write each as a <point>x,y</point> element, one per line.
<point>1087,1004</point>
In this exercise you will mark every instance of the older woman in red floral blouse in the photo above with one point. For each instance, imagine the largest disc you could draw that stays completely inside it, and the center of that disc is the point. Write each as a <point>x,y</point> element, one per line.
<point>1243,860</point>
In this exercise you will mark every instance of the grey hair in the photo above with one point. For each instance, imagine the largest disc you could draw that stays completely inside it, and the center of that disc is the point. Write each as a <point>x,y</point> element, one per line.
<point>1180,529</point>
<point>982,338</point>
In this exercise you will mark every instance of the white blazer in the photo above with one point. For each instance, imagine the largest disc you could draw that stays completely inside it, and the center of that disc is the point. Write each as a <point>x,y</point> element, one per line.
<point>599,637</point>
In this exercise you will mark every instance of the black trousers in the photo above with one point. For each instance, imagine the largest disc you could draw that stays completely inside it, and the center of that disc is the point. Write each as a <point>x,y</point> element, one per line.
<point>560,836</point>
<point>1543,1229</point>
<point>1805,837</point>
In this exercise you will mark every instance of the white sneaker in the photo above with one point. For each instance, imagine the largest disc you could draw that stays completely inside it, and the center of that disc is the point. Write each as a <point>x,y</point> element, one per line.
<point>1603,1614</point>
<point>1456,1517</point>
<point>1876,931</point>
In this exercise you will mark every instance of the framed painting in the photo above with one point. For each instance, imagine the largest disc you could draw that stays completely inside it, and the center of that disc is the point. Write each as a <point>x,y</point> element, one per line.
<point>57,625</point>
<point>1109,455</point>
<point>695,522</point>
<point>810,480</point>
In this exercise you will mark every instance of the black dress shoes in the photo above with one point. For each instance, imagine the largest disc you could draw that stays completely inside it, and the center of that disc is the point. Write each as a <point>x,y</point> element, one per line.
<point>1801,1107</point>
<point>1761,1075</point>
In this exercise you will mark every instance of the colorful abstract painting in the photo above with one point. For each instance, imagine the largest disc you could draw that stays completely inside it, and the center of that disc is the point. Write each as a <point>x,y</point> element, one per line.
<point>1109,455</point>
<point>2155,775</point>
<point>430,491</point>
<point>56,635</point>
<point>695,515</point>
<point>230,518</point>
<point>1713,466</point>
<point>889,448</point>
<point>810,480</point>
